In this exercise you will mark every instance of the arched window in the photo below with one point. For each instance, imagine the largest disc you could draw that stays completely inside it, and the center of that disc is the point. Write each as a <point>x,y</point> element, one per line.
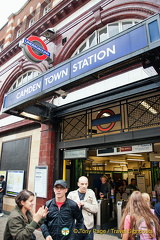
<point>104,33</point>
<point>25,77</point>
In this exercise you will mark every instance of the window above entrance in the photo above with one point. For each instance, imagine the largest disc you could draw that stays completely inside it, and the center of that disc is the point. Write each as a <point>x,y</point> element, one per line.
<point>104,33</point>
<point>24,78</point>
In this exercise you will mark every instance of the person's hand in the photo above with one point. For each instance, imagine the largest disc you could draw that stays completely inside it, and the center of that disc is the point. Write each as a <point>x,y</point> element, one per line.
<point>101,195</point>
<point>82,203</point>
<point>79,204</point>
<point>49,238</point>
<point>44,211</point>
<point>41,213</point>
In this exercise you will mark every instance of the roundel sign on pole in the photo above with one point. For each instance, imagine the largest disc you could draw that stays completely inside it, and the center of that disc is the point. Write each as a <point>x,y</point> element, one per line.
<point>111,125</point>
<point>34,49</point>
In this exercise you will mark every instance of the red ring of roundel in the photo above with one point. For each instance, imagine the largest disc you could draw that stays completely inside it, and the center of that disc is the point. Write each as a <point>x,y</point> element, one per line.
<point>34,38</point>
<point>111,125</point>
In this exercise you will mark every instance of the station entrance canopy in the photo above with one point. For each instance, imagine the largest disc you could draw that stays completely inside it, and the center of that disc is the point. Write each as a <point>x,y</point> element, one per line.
<point>138,44</point>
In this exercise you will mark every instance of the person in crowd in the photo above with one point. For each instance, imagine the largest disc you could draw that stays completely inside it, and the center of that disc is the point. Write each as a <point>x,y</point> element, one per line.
<point>157,189</point>
<point>60,221</point>
<point>2,192</point>
<point>132,186</point>
<point>147,199</point>
<point>112,183</point>
<point>138,220</point>
<point>123,186</point>
<point>157,210</point>
<point>21,222</point>
<point>105,187</point>
<point>87,202</point>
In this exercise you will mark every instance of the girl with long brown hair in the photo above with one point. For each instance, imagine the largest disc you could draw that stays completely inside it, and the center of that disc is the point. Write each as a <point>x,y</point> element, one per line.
<point>138,222</point>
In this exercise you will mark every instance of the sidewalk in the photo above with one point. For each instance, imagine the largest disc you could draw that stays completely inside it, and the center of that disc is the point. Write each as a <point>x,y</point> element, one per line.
<point>103,236</point>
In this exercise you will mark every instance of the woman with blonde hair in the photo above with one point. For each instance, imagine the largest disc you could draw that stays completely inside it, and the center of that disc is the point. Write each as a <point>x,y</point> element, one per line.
<point>146,198</point>
<point>138,222</point>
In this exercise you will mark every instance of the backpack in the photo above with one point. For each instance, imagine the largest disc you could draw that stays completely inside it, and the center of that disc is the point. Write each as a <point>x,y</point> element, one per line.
<point>143,231</point>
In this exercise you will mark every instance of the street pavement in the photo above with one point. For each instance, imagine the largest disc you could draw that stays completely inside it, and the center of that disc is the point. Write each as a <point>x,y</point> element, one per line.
<point>98,235</point>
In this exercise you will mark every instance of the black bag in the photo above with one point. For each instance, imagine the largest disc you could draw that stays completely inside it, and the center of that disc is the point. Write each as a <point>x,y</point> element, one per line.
<point>33,237</point>
<point>137,237</point>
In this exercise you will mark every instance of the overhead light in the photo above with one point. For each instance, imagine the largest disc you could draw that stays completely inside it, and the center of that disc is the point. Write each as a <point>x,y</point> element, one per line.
<point>30,115</point>
<point>134,159</point>
<point>150,71</point>
<point>118,162</point>
<point>147,106</point>
<point>157,156</point>
<point>134,154</point>
<point>89,159</point>
<point>98,164</point>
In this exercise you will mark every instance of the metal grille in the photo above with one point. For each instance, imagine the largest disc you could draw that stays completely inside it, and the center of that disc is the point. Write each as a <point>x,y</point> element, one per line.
<point>74,127</point>
<point>135,114</point>
<point>144,113</point>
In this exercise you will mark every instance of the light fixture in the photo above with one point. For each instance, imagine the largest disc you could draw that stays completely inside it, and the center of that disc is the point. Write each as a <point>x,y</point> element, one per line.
<point>135,159</point>
<point>98,164</point>
<point>157,156</point>
<point>89,159</point>
<point>123,162</point>
<point>134,154</point>
<point>30,115</point>
<point>49,33</point>
<point>147,106</point>
<point>150,71</point>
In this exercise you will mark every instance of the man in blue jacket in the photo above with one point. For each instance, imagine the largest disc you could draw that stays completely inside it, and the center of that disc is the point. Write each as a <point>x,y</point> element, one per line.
<point>60,221</point>
<point>157,209</point>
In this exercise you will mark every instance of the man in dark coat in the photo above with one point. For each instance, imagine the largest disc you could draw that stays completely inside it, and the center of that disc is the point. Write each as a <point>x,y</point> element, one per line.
<point>132,186</point>
<point>105,188</point>
<point>157,210</point>
<point>60,221</point>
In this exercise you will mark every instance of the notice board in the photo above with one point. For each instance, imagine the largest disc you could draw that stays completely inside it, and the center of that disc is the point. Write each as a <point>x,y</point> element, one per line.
<point>141,183</point>
<point>15,182</point>
<point>40,181</point>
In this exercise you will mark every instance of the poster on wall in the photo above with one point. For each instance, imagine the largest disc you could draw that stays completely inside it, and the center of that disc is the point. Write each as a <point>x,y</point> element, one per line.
<point>3,173</point>
<point>40,181</point>
<point>141,184</point>
<point>15,182</point>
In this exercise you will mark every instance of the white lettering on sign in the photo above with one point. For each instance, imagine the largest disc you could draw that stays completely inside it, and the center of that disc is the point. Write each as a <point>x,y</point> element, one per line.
<point>28,90</point>
<point>56,76</point>
<point>94,58</point>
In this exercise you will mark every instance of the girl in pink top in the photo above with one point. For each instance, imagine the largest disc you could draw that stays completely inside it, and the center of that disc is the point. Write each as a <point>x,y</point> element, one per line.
<point>138,220</point>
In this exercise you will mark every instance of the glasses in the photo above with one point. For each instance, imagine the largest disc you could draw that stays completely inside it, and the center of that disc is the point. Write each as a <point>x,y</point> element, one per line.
<point>61,188</point>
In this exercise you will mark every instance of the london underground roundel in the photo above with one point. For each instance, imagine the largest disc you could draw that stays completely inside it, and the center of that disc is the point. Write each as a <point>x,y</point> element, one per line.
<point>34,49</point>
<point>111,125</point>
